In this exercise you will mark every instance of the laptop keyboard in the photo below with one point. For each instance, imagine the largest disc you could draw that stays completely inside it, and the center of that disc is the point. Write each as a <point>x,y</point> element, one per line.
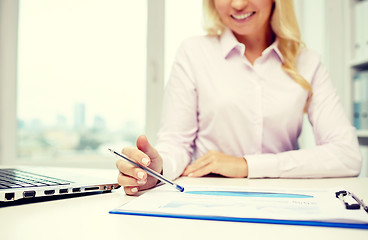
<point>15,178</point>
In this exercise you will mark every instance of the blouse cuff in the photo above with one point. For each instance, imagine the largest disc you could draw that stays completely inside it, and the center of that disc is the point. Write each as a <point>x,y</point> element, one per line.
<point>262,166</point>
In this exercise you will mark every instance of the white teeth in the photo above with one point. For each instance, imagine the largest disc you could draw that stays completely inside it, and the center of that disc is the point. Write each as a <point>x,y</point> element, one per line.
<point>242,16</point>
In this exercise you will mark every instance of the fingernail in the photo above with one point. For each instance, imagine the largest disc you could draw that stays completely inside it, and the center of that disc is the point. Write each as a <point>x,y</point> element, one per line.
<point>190,174</point>
<point>134,190</point>
<point>141,182</point>
<point>140,175</point>
<point>145,161</point>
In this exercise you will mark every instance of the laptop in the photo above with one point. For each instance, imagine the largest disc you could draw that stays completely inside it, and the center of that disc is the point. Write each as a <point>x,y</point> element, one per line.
<point>41,182</point>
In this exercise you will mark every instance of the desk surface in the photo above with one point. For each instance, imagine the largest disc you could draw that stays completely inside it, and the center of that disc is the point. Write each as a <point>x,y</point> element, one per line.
<point>87,217</point>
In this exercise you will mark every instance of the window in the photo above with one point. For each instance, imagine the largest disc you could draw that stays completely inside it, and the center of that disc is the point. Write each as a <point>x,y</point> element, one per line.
<point>81,77</point>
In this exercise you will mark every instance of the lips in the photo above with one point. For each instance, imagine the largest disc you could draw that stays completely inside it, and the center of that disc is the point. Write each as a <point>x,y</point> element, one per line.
<point>242,16</point>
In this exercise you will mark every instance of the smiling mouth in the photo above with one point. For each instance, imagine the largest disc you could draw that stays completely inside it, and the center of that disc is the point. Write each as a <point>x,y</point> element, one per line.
<point>242,16</point>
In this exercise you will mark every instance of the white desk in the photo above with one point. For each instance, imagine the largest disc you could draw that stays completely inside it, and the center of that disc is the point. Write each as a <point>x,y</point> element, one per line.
<point>87,217</point>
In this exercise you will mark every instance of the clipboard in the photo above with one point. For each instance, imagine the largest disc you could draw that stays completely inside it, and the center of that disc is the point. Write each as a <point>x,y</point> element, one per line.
<point>327,208</point>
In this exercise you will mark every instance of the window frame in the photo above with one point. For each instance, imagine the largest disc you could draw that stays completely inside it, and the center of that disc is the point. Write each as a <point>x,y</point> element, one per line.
<point>8,77</point>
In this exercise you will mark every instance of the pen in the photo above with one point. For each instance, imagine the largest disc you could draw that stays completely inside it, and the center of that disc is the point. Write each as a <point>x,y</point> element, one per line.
<point>149,171</point>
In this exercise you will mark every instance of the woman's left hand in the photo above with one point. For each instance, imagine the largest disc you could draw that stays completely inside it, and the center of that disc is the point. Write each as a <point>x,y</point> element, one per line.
<point>218,163</point>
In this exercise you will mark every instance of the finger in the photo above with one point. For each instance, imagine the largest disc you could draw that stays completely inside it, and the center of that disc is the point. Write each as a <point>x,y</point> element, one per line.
<point>128,169</point>
<point>144,145</point>
<point>127,181</point>
<point>199,163</point>
<point>136,155</point>
<point>131,190</point>
<point>207,169</point>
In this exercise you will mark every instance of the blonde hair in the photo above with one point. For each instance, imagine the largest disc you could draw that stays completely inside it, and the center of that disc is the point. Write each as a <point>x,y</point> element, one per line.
<point>283,23</point>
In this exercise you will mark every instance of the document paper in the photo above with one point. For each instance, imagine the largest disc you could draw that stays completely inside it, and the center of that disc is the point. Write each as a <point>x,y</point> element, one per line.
<point>244,204</point>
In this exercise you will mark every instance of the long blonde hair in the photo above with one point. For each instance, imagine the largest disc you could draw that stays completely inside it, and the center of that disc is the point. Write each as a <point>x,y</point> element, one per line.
<point>283,23</point>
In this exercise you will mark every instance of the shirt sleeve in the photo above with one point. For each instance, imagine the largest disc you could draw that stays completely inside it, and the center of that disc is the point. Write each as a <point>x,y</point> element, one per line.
<point>337,151</point>
<point>179,118</point>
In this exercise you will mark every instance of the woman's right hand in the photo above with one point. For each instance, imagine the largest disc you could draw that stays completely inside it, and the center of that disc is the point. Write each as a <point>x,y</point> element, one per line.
<point>133,178</point>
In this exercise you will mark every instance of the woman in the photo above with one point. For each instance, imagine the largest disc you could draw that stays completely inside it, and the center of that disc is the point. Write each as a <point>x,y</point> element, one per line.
<point>235,102</point>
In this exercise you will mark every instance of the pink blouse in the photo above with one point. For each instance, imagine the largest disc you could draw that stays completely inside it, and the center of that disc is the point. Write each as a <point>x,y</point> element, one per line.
<point>216,100</point>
